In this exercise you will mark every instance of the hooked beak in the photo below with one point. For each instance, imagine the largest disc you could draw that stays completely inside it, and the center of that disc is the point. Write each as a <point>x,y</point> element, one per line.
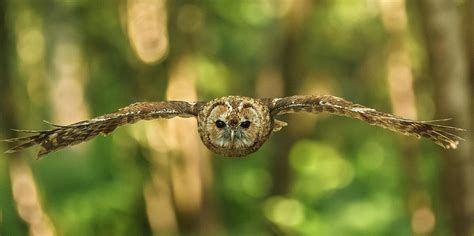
<point>232,134</point>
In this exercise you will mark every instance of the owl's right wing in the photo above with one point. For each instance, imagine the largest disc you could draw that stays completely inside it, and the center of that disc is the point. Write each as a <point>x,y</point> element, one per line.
<point>439,134</point>
<point>65,135</point>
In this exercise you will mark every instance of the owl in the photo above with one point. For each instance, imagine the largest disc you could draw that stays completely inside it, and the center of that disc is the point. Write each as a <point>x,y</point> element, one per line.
<point>231,126</point>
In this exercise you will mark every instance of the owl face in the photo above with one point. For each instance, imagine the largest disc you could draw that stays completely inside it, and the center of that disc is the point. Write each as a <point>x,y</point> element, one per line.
<point>234,126</point>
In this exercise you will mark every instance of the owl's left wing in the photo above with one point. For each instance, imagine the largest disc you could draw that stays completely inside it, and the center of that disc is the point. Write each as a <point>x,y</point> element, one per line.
<point>65,135</point>
<point>439,134</point>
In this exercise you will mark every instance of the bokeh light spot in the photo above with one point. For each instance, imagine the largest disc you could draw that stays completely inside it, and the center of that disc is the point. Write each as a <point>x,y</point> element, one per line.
<point>371,156</point>
<point>423,220</point>
<point>31,46</point>
<point>319,167</point>
<point>284,211</point>
<point>256,182</point>
<point>212,77</point>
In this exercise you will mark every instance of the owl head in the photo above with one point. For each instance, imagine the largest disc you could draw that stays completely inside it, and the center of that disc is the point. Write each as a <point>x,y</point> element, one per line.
<point>234,126</point>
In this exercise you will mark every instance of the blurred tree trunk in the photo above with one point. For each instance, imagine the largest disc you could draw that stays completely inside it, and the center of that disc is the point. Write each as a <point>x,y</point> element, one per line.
<point>289,64</point>
<point>22,196</point>
<point>445,46</point>
<point>287,71</point>
<point>400,81</point>
<point>7,119</point>
<point>468,21</point>
<point>8,215</point>
<point>191,170</point>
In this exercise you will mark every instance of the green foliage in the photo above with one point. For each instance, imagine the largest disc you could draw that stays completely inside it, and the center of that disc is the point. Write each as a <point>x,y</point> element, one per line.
<point>344,177</point>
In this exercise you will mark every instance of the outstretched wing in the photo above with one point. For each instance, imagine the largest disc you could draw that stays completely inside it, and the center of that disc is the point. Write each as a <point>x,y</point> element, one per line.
<point>62,136</point>
<point>439,134</point>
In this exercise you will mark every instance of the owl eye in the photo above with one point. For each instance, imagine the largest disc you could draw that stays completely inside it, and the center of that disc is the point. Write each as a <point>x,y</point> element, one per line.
<point>245,124</point>
<point>220,124</point>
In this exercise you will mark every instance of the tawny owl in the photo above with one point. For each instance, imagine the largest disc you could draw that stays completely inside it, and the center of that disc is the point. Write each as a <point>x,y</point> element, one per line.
<point>234,125</point>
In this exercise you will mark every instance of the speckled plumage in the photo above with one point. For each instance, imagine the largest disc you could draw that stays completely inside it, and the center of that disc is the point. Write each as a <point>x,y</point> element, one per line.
<point>234,110</point>
<point>232,125</point>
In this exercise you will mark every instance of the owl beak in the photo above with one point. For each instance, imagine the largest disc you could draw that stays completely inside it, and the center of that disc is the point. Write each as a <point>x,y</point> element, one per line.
<point>232,134</point>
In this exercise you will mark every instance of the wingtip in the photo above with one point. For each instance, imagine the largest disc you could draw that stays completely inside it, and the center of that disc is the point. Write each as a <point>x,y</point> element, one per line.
<point>53,124</point>
<point>7,140</point>
<point>453,145</point>
<point>449,144</point>
<point>10,151</point>
<point>437,120</point>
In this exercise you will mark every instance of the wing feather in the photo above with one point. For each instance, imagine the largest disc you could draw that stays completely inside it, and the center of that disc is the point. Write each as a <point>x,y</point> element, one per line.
<point>61,136</point>
<point>439,134</point>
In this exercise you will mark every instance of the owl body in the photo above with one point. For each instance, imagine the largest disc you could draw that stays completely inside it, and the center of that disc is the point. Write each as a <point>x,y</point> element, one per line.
<point>232,125</point>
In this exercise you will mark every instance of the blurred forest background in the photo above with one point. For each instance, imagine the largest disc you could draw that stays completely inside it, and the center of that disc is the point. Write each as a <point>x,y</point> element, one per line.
<point>69,60</point>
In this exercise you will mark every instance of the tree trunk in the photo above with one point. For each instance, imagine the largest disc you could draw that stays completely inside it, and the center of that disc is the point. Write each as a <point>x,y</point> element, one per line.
<point>468,22</point>
<point>291,70</point>
<point>7,119</point>
<point>445,46</point>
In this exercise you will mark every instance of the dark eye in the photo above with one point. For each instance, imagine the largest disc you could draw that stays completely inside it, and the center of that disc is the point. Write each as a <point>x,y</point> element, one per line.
<point>245,124</point>
<point>220,124</point>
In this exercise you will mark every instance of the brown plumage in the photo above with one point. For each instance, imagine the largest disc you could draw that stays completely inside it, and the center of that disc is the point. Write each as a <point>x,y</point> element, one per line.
<point>66,135</point>
<point>232,125</point>
<point>439,134</point>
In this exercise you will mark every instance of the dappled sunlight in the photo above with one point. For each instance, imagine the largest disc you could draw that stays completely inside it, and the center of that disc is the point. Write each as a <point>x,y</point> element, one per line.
<point>31,46</point>
<point>212,77</point>
<point>67,84</point>
<point>67,61</point>
<point>31,49</point>
<point>261,12</point>
<point>254,182</point>
<point>147,29</point>
<point>402,95</point>
<point>285,212</point>
<point>157,191</point>
<point>253,13</point>
<point>400,80</point>
<point>30,38</point>
<point>159,205</point>
<point>423,220</point>
<point>186,170</point>
<point>180,164</point>
<point>28,201</point>
<point>247,184</point>
<point>393,14</point>
<point>399,71</point>
<point>319,169</point>
<point>371,156</point>
<point>376,212</point>
<point>350,14</point>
